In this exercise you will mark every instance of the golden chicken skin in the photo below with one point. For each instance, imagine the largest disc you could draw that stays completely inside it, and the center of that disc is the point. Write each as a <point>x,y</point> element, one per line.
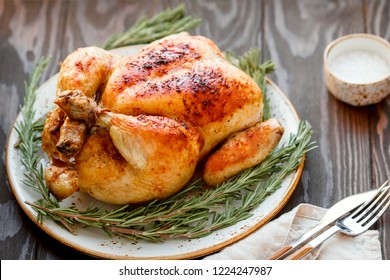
<point>130,129</point>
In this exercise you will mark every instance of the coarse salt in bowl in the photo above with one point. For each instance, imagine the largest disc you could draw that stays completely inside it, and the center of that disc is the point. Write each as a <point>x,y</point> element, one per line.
<point>357,69</point>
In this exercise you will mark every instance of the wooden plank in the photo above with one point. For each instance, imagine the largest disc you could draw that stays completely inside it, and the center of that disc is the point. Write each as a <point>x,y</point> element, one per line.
<point>377,18</point>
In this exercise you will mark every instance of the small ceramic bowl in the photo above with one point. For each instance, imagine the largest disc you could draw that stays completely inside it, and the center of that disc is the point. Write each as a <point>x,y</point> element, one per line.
<point>357,69</point>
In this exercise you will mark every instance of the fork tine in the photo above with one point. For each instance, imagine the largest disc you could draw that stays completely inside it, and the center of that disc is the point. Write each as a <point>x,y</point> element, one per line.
<point>369,207</point>
<point>382,207</point>
<point>359,210</point>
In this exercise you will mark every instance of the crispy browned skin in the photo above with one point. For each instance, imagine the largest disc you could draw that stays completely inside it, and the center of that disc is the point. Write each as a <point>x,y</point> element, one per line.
<point>158,114</point>
<point>241,151</point>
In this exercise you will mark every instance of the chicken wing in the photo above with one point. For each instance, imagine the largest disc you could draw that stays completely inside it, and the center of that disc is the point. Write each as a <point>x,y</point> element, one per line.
<point>241,151</point>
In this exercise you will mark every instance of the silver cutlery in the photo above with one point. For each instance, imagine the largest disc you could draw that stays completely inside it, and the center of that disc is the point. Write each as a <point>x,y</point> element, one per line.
<point>337,211</point>
<point>357,222</point>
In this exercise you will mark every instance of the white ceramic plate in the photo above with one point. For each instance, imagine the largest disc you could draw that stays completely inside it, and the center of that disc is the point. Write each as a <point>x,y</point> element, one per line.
<point>96,243</point>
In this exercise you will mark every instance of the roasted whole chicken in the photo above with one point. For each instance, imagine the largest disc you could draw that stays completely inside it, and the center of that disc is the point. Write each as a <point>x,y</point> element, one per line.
<point>130,129</point>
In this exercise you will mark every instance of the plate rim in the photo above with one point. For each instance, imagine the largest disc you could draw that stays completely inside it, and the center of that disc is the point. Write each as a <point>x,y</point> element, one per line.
<point>191,255</point>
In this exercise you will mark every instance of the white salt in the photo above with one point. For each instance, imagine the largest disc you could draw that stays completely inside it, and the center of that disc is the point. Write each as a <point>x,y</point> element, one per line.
<point>359,67</point>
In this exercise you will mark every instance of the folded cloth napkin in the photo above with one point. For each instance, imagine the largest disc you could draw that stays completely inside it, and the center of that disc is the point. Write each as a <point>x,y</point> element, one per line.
<point>288,227</point>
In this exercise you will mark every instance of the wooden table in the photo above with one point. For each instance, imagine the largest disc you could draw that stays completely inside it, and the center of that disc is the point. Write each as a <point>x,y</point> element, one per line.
<point>353,153</point>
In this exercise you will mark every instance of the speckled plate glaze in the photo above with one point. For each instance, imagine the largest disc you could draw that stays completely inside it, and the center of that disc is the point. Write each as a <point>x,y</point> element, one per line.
<point>96,243</point>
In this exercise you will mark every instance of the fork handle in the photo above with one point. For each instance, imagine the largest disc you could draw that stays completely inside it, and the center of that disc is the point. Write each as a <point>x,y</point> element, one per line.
<point>300,253</point>
<point>280,253</point>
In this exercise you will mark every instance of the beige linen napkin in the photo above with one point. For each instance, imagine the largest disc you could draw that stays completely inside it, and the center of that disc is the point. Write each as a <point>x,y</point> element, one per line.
<point>288,227</point>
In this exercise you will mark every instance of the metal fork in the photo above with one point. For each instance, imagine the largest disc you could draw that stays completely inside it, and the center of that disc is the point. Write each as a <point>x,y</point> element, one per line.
<point>354,224</point>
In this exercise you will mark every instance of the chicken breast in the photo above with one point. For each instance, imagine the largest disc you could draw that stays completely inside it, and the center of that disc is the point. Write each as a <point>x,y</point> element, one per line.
<point>187,78</point>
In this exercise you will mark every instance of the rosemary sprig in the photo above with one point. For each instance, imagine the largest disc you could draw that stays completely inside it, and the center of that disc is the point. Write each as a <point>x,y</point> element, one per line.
<point>169,21</point>
<point>28,130</point>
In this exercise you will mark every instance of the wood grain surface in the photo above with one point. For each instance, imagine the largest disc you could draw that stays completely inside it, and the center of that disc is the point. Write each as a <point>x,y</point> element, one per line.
<point>353,153</point>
